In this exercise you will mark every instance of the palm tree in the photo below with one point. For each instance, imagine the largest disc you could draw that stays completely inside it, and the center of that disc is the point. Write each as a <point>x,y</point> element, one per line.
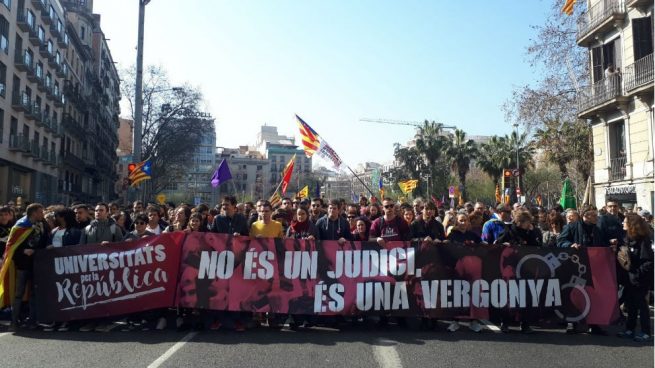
<point>525,148</point>
<point>460,153</point>
<point>491,157</point>
<point>431,144</point>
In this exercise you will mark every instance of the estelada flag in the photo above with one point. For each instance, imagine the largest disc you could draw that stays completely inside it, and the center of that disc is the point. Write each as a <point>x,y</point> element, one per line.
<point>142,171</point>
<point>408,185</point>
<point>17,236</point>
<point>286,174</point>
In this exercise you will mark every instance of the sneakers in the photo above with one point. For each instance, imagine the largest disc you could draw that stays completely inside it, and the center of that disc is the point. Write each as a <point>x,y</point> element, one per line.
<point>571,329</point>
<point>161,324</point>
<point>504,328</point>
<point>216,325</point>
<point>596,330</point>
<point>628,334</point>
<point>454,326</point>
<point>47,327</point>
<point>88,327</point>
<point>642,337</point>
<point>63,327</point>
<point>475,326</point>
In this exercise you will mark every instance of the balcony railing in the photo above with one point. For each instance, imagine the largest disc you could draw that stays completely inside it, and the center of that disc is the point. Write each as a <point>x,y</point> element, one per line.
<point>639,73</point>
<point>597,15</point>
<point>17,142</point>
<point>600,92</point>
<point>617,168</point>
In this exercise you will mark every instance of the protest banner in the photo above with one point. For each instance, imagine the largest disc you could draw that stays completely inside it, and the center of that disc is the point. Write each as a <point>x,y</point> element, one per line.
<point>90,281</point>
<point>222,272</point>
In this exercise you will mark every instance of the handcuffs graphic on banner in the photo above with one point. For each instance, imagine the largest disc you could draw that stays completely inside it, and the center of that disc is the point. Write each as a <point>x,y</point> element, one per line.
<point>577,282</point>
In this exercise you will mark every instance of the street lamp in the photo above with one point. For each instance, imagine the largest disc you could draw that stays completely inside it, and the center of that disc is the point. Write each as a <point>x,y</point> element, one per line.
<point>138,93</point>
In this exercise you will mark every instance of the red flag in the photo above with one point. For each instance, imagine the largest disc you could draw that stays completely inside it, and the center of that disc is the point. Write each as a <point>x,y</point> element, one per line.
<point>286,174</point>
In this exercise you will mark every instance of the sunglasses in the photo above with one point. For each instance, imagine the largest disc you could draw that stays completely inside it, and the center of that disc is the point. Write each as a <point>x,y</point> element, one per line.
<point>352,216</point>
<point>389,206</point>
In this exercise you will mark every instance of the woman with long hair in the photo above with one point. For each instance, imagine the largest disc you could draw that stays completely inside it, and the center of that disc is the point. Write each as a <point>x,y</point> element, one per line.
<point>555,224</point>
<point>301,227</point>
<point>181,219</point>
<point>639,278</point>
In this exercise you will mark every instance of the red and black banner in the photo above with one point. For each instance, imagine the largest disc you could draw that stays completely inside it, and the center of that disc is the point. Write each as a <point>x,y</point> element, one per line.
<point>222,272</point>
<point>90,281</point>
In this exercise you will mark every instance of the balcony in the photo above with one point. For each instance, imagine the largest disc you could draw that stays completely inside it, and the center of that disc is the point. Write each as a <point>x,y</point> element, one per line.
<point>59,70</point>
<point>599,18</point>
<point>62,40</point>
<point>46,121</point>
<point>34,36</point>
<point>600,96</point>
<point>617,168</point>
<point>22,61</point>
<point>20,102</point>
<point>43,154</point>
<point>639,74</point>
<point>31,74</point>
<point>37,113</point>
<point>23,23</point>
<point>639,4</point>
<point>56,128</point>
<point>57,98</point>
<point>18,143</point>
<point>40,82</point>
<point>55,30</point>
<point>46,16</point>
<point>73,161</point>
<point>43,50</point>
<point>40,4</point>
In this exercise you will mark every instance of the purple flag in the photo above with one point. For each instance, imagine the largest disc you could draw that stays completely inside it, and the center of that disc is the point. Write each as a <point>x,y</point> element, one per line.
<point>221,175</point>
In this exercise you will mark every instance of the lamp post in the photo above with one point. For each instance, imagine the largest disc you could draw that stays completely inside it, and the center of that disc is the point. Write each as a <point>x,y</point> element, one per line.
<point>138,88</point>
<point>518,165</point>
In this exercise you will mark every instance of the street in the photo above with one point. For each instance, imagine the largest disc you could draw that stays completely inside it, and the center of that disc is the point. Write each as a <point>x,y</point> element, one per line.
<point>391,347</point>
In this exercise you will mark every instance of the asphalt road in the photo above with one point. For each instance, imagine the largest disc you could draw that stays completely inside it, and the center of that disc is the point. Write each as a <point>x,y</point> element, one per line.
<point>351,347</point>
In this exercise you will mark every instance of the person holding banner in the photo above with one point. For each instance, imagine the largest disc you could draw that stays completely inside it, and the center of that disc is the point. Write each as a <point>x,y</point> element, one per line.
<point>301,227</point>
<point>140,225</point>
<point>28,235</point>
<point>266,227</point>
<point>639,277</point>
<point>229,221</point>
<point>426,227</point>
<point>333,226</point>
<point>389,227</point>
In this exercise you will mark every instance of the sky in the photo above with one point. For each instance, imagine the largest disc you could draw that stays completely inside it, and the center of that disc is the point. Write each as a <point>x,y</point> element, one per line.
<point>334,62</point>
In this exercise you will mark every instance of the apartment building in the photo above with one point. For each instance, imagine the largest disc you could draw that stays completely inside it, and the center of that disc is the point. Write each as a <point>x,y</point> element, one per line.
<point>249,169</point>
<point>33,41</point>
<point>47,70</point>
<point>619,101</point>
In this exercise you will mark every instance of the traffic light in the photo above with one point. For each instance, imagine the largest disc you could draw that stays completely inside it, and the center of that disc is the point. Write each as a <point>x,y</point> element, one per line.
<point>507,178</point>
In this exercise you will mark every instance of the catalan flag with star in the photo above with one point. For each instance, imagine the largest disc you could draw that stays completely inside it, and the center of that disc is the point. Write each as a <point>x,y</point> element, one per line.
<point>408,185</point>
<point>312,143</point>
<point>141,172</point>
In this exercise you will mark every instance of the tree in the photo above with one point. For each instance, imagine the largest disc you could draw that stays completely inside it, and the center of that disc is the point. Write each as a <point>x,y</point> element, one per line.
<point>172,125</point>
<point>431,145</point>
<point>491,157</point>
<point>549,107</point>
<point>460,153</point>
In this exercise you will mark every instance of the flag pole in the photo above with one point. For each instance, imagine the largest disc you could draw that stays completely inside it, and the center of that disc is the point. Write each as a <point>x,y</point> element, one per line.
<point>361,181</point>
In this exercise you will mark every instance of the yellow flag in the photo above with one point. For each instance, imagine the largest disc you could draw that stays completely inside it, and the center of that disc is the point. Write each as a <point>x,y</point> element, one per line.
<point>408,185</point>
<point>303,193</point>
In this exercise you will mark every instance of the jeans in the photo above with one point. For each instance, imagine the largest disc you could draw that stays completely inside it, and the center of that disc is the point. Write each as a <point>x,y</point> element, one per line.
<point>23,277</point>
<point>635,300</point>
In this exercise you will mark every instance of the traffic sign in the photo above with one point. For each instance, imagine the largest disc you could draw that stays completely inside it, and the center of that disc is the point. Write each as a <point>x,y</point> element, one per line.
<point>451,192</point>
<point>516,173</point>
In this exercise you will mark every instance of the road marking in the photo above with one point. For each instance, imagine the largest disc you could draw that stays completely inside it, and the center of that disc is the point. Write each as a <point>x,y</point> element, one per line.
<point>386,355</point>
<point>490,326</point>
<point>172,350</point>
<point>5,333</point>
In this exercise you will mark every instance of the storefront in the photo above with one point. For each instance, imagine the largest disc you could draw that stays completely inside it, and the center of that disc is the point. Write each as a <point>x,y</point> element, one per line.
<point>625,195</point>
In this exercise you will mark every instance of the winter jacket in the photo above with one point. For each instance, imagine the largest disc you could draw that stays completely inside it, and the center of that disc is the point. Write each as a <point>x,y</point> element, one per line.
<point>420,229</point>
<point>100,231</point>
<point>333,230</point>
<point>516,236</point>
<point>229,225</point>
<point>640,274</point>
<point>588,235</point>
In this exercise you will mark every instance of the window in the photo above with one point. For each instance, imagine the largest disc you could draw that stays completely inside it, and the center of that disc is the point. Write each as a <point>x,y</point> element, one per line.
<point>642,37</point>
<point>31,19</point>
<point>3,79</point>
<point>51,47</point>
<point>6,3</point>
<point>604,56</point>
<point>82,32</point>
<point>617,139</point>
<point>4,35</point>
<point>39,70</point>
<point>2,123</point>
<point>41,34</point>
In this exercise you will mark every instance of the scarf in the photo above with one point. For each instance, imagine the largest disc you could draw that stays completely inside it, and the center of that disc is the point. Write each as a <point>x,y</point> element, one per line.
<point>299,227</point>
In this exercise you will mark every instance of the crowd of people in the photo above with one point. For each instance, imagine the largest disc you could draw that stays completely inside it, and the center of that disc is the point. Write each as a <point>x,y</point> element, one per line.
<point>628,233</point>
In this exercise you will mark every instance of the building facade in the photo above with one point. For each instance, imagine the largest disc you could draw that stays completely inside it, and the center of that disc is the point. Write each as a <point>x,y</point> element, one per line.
<point>249,169</point>
<point>46,123</point>
<point>619,101</point>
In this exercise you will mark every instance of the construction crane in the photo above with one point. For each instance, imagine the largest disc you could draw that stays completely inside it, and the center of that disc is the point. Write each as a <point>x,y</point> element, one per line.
<point>403,122</point>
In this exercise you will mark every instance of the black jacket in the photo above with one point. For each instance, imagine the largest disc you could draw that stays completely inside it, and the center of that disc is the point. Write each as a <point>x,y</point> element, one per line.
<point>333,230</point>
<point>640,274</point>
<point>420,229</point>
<point>230,225</point>
<point>517,236</point>
<point>460,237</point>
<point>578,232</point>
<point>71,236</point>
<point>611,228</point>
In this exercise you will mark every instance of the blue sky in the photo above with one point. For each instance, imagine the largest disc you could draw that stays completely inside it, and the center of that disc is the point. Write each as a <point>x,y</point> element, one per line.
<point>334,62</point>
